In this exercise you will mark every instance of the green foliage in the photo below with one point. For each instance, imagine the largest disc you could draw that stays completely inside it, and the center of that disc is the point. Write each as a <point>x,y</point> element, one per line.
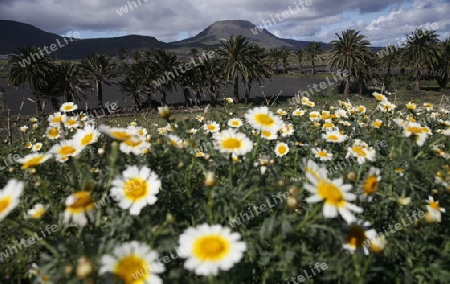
<point>285,240</point>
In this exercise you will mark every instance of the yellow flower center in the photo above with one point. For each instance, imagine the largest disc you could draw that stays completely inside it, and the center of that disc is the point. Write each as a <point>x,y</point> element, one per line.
<point>266,133</point>
<point>133,142</point>
<point>136,188</point>
<point>66,150</point>
<point>121,135</point>
<point>211,127</point>
<point>330,193</point>
<point>38,213</point>
<point>282,149</point>
<point>434,205</point>
<point>211,248</point>
<point>53,132</point>
<point>57,119</point>
<point>371,185</point>
<point>4,204</point>
<point>231,143</point>
<point>87,139</point>
<point>377,124</point>
<point>132,269</point>
<point>322,154</point>
<point>68,108</point>
<point>83,202</point>
<point>71,122</point>
<point>356,236</point>
<point>333,137</point>
<point>33,162</point>
<point>359,151</point>
<point>414,130</point>
<point>264,119</point>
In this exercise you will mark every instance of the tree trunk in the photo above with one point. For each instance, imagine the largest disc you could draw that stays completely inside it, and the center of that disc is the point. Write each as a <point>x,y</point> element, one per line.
<point>187,97</point>
<point>248,88</point>
<point>39,110</point>
<point>163,98</point>
<point>347,86</point>
<point>313,66</point>
<point>236,89</point>
<point>417,87</point>
<point>137,102</point>
<point>99,93</point>
<point>213,95</point>
<point>361,86</point>
<point>54,102</point>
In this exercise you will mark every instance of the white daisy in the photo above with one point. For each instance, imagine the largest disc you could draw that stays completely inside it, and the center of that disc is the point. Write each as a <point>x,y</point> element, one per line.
<point>335,195</point>
<point>214,248</point>
<point>230,141</point>
<point>86,136</point>
<point>78,206</point>
<point>234,122</point>
<point>322,154</point>
<point>68,107</point>
<point>133,263</point>
<point>370,184</point>
<point>211,126</point>
<point>261,118</point>
<point>37,211</point>
<point>281,149</point>
<point>136,188</point>
<point>66,149</point>
<point>10,197</point>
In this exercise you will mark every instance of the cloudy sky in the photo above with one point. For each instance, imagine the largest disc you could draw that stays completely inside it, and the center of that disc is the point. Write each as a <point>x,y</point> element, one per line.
<point>382,21</point>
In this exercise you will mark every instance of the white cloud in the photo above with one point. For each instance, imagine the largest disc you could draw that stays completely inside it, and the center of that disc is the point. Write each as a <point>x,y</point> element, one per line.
<point>382,20</point>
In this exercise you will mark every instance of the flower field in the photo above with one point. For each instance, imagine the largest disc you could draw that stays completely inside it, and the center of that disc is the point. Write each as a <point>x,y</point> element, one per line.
<point>297,194</point>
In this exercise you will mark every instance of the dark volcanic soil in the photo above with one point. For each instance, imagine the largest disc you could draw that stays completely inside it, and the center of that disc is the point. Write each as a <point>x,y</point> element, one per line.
<point>288,86</point>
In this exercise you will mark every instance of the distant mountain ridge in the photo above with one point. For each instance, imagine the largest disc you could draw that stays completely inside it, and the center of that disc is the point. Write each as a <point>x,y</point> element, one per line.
<point>17,34</point>
<point>212,35</point>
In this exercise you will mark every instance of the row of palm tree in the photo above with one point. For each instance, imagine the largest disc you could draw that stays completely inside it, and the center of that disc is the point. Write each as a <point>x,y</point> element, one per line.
<point>238,60</point>
<point>65,81</point>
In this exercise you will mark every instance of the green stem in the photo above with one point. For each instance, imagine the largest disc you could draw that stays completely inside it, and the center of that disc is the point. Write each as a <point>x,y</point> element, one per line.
<point>230,170</point>
<point>30,233</point>
<point>366,265</point>
<point>42,241</point>
<point>112,162</point>
<point>310,217</point>
<point>72,168</point>
<point>210,205</point>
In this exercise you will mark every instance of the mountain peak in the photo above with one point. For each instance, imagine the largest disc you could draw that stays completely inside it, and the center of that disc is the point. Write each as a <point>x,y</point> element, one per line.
<point>224,29</point>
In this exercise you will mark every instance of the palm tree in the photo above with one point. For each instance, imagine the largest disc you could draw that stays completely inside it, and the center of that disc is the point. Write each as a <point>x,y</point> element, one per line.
<point>100,68</point>
<point>137,83</point>
<point>389,57</point>
<point>444,63</point>
<point>69,78</point>
<point>164,64</point>
<point>366,71</point>
<point>259,68</point>
<point>421,50</point>
<point>300,54</point>
<point>30,65</point>
<point>348,53</point>
<point>275,56</point>
<point>313,50</point>
<point>235,56</point>
<point>284,55</point>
